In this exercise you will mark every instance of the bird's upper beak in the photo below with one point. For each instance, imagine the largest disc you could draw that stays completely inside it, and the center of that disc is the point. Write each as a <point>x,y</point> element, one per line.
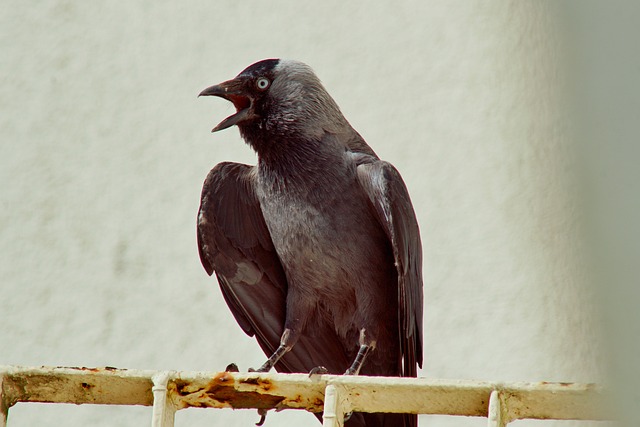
<point>234,91</point>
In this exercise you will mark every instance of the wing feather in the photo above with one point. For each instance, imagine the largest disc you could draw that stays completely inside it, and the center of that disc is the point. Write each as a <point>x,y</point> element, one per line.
<point>234,242</point>
<point>390,200</point>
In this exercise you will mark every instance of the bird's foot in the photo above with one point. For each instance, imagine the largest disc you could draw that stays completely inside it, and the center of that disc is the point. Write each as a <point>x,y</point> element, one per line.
<point>232,367</point>
<point>261,412</point>
<point>355,367</point>
<point>263,416</point>
<point>318,370</point>
<point>266,367</point>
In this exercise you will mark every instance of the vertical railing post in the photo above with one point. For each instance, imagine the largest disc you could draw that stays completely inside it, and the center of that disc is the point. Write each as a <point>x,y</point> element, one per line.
<point>333,415</point>
<point>4,408</point>
<point>164,409</point>
<point>497,410</point>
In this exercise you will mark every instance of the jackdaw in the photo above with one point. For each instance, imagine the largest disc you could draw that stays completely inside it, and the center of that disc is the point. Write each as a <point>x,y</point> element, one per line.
<point>316,248</point>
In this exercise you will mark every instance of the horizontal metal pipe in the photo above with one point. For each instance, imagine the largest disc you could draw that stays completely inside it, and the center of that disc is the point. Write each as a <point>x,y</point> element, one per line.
<point>540,400</point>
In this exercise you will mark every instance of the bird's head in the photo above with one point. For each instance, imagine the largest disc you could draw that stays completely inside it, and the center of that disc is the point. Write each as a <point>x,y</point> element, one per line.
<point>278,98</point>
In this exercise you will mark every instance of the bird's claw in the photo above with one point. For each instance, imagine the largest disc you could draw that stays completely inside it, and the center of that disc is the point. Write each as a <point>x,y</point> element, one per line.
<point>232,367</point>
<point>263,416</point>
<point>318,370</point>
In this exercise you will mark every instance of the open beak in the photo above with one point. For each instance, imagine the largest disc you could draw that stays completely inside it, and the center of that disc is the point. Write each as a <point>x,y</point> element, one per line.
<point>232,90</point>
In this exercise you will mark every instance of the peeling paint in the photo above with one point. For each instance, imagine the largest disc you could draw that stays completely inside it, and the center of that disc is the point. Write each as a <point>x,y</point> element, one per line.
<point>221,392</point>
<point>80,385</point>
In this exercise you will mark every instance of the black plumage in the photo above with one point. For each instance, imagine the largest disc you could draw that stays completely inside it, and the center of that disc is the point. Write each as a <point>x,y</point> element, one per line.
<point>316,248</point>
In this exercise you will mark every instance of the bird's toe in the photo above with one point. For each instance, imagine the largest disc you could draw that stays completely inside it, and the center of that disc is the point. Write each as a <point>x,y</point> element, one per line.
<point>263,416</point>
<point>318,370</point>
<point>232,367</point>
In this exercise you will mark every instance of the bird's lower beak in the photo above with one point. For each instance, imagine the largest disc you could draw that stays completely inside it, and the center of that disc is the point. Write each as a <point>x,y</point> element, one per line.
<point>232,90</point>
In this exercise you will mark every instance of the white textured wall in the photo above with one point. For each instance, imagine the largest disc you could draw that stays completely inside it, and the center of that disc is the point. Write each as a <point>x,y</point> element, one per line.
<point>104,148</point>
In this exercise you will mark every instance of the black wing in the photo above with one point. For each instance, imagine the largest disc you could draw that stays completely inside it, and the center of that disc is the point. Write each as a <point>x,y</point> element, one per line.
<point>389,197</point>
<point>234,242</point>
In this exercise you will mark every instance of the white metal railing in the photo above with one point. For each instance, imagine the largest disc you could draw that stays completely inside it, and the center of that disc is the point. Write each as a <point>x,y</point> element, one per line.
<point>168,391</point>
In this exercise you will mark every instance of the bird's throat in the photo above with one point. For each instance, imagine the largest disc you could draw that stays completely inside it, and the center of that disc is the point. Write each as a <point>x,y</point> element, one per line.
<point>302,167</point>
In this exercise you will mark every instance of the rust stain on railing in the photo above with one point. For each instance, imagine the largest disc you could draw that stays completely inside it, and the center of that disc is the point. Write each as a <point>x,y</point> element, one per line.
<point>108,385</point>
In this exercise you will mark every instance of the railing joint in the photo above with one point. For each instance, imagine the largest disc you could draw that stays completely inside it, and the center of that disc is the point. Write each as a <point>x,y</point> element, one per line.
<point>334,406</point>
<point>498,415</point>
<point>163,407</point>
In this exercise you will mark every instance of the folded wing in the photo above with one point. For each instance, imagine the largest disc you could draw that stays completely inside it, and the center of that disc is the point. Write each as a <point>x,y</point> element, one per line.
<point>390,200</point>
<point>234,242</point>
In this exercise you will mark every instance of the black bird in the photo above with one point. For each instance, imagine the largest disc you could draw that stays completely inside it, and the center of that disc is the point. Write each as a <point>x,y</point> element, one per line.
<point>316,248</point>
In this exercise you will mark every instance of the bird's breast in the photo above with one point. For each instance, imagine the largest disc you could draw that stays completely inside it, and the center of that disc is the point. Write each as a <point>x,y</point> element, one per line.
<point>326,236</point>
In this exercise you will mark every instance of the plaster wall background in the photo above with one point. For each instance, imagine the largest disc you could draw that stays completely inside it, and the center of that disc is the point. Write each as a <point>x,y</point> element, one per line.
<point>104,148</point>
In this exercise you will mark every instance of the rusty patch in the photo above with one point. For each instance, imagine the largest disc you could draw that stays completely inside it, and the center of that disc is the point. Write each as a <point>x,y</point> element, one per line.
<point>265,385</point>
<point>296,399</point>
<point>77,368</point>
<point>253,381</point>
<point>222,377</point>
<point>226,393</point>
<point>196,404</point>
<point>87,386</point>
<point>222,389</point>
<point>84,368</point>
<point>319,402</point>
<point>561,384</point>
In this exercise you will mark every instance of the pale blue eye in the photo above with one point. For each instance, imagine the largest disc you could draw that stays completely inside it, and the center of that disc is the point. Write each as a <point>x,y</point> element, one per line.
<point>262,83</point>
